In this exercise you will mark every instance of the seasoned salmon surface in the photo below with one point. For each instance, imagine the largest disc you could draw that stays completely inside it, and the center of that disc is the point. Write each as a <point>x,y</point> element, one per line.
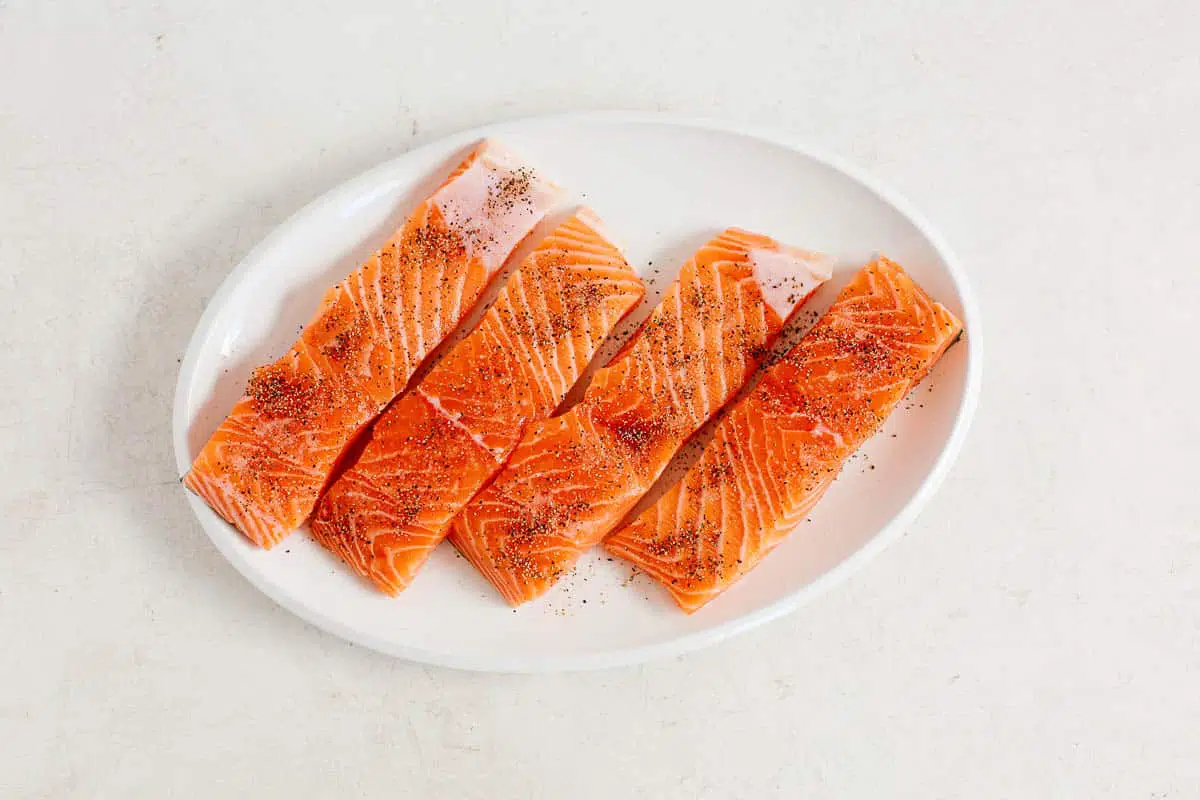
<point>779,448</point>
<point>573,477</point>
<point>264,467</point>
<point>436,446</point>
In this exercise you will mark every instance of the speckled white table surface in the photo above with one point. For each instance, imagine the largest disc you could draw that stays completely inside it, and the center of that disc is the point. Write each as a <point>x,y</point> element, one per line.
<point>1036,633</point>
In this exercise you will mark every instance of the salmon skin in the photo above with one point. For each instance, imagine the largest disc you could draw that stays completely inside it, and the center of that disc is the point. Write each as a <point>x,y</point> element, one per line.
<point>779,448</point>
<point>266,464</point>
<point>435,447</point>
<point>574,477</point>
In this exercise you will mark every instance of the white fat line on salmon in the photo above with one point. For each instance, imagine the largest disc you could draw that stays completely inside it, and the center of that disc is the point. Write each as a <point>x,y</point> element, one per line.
<point>549,345</point>
<point>379,322</point>
<point>701,326</point>
<point>535,355</point>
<point>668,372</point>
<point>592,220</point>
<point>820,429</point>
<point>719,341</point>
<point>437,404</point>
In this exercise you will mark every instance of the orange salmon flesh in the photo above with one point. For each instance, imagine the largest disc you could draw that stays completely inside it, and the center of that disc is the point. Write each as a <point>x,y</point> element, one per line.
<point>264,467</point>
<point>440,443</point>
<point>778,449</point>
<point>572,478</point>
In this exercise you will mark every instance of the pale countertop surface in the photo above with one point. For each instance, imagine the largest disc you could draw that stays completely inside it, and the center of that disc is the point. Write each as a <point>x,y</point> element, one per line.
<point>1035,634</point>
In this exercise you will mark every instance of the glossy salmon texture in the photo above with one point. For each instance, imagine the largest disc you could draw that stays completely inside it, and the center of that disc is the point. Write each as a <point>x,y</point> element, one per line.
<point>574,477</point>
<point>441,442</point>
<point>778,449</point>
<point>264,467</point>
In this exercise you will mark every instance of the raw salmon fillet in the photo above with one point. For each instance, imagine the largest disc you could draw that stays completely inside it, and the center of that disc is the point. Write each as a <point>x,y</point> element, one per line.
<point>573,477</point>
<point>441,442</point>
<point>780,447</point>
<point>266,464</point>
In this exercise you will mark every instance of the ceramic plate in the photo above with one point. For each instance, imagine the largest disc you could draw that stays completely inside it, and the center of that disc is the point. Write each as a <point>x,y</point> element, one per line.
<point>663,186</point>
